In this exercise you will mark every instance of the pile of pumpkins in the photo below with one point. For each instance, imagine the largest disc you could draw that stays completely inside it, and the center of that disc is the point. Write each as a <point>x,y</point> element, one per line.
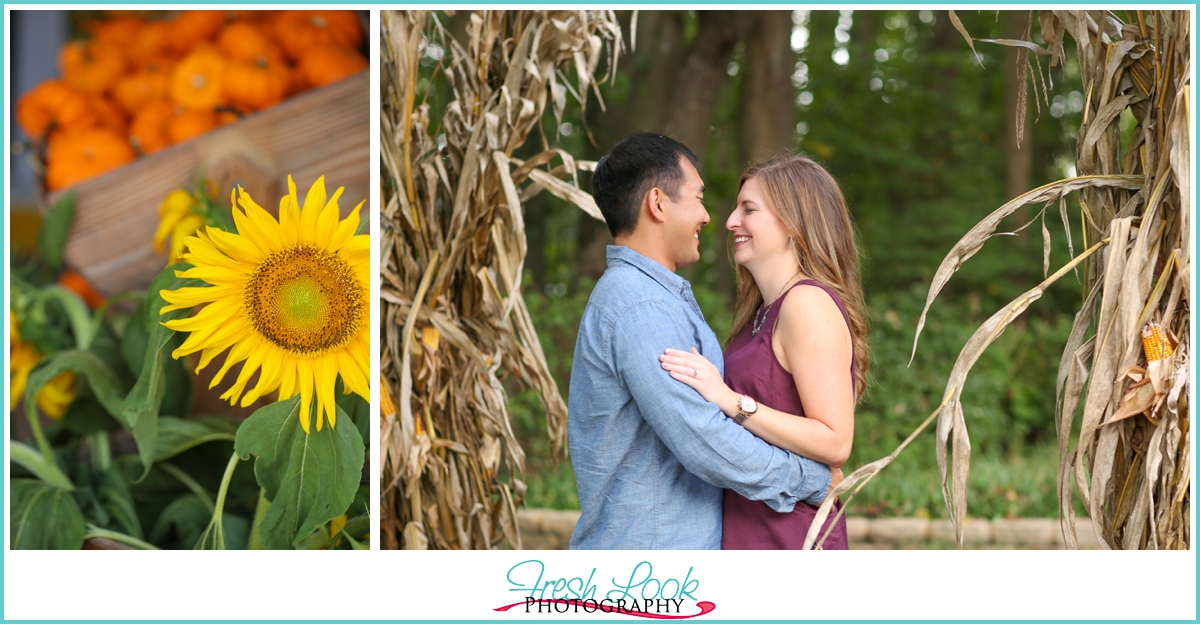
<point>137,85</point>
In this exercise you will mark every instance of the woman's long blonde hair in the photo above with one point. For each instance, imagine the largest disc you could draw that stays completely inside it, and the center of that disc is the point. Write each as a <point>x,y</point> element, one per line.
<point>809,203</point>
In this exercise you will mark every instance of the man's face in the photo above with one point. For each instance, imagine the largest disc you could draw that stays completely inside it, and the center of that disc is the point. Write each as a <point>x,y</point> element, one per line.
<point>685,216</point>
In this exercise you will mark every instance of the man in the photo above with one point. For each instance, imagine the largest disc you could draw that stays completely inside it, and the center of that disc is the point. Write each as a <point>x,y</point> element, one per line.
<point>650,454</point>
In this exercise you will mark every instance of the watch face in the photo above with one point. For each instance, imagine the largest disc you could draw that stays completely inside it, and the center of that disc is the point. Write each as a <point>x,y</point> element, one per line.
<point>748,405</point>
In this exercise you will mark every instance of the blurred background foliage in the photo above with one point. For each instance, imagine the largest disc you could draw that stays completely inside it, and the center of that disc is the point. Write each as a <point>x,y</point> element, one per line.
<point>922,138</point>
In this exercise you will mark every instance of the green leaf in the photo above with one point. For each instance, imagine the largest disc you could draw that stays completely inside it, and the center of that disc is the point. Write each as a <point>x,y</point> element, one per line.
<point>186,516</point>
<point>237,531</point>
<point>31,460</point>
<point>355,544</point>
<point>113,492</point>
<point>52,237</point>
<point>177,399</point>
<point>44,517</point>
<point>78,314</point>
<point>176,435</point>
<point>86,415</point>
<point>103,382</point>
<point>231,533</point>
<point>309,478</point>
<point>357,408</point>
<point>133,343</point>
<point>142,405</point>
<point>260,514</point>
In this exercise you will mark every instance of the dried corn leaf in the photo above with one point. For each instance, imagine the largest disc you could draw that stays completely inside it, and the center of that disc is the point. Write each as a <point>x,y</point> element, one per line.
<point>455,324</point>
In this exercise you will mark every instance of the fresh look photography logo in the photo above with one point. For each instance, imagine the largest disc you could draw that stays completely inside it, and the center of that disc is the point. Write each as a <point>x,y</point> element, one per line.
<point>641,592</point>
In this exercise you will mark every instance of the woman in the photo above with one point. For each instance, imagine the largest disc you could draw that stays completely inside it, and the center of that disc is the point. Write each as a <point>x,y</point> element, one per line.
<point>796,361</point>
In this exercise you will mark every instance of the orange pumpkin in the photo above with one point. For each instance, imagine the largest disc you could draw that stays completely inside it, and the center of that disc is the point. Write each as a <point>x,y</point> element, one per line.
<point>256,84</point>
<point>191,28</point>
<point>244,41</point>
<point>297,31</point>
<point>52,105</point>
<point>152,82</point>
<point>248,16</point>
<point>73,157</point>
<point>227,116</point>
<point>118,30</point>
<point>148,130</point>
<point>196,80</point>
<point>108,113</point>
<point>91,66</point>
<point>154,41</point>
<point>79,285</point>
<point>322,65</point>
<point>190,122</point>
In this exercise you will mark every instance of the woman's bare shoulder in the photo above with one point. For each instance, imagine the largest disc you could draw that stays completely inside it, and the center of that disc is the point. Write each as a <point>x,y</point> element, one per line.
<point>809,305</point>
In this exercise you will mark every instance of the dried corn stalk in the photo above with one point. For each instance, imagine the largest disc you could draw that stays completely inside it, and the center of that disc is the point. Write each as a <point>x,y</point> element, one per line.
<point>1131,463</point>
<point>454,322</point>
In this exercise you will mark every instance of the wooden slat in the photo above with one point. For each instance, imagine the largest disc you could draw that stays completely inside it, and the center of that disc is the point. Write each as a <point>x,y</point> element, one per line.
<point>323,132</point>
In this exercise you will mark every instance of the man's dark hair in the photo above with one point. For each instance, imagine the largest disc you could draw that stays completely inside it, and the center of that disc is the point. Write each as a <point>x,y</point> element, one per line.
<point>640,162</point>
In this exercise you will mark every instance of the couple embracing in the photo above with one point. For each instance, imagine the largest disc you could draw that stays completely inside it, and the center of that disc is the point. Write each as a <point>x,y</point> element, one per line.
<point>674,444</point>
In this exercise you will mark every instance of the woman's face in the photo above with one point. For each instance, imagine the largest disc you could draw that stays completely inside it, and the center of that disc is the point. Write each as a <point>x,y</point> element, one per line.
<point>758,235</point>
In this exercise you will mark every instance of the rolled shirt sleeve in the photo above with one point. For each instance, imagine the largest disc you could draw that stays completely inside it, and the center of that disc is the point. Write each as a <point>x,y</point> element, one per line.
<point>707,443</point>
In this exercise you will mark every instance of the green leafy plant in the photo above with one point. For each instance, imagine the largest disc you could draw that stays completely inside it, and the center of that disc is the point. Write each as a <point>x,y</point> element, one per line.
<point>112,455</point>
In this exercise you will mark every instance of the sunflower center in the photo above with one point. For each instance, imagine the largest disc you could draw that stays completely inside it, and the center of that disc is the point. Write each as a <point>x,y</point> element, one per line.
<point>304,299</point>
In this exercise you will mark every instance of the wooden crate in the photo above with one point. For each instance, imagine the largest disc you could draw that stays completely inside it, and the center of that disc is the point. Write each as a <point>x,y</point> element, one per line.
<point>322,132</point>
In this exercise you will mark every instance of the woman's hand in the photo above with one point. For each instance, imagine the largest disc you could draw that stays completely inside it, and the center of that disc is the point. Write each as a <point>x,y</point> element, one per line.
<point>696,371</point>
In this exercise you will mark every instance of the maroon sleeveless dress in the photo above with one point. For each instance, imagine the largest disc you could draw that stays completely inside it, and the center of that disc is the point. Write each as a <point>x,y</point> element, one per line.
<point>751,368</point>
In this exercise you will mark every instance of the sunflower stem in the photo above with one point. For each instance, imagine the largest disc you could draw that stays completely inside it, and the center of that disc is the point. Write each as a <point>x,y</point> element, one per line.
<point>43,445</point>
<point>95,531</point>
<point>260,512</point>
<point>220,504</point>
<point>190,483</point>
<point>215,527</point>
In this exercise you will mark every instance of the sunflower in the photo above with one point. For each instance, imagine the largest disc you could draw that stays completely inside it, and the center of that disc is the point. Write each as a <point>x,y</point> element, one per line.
<point>176,220</point>
<point>55,397</point>
<point>289,298</point>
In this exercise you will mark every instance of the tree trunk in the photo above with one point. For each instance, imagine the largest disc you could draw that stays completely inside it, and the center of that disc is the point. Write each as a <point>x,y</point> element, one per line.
<point>696,82</point>
<point>767,110</point>
<point>1018,138</point>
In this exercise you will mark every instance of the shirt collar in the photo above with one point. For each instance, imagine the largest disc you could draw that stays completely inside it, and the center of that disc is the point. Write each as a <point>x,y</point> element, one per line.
<point>618,254</point>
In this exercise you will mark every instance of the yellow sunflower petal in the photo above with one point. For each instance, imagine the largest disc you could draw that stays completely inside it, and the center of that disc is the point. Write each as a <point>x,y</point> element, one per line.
<point>265,225</point>
<point>189,296</point>
<point>287,299</point>
<point>203,252</point>
<point>325,374</point>
<point>352,376</point>
<point>327,221</point>
<point>289,215</point>
<point>305,377</point>
<point>249,367</point>
<point>268,376</point>
<point>217,276</point>
<point>240,351</point>
<point>220,341</point>
<point>345,229</point>
<point>287,379</point>
<point>238,247</point>
<point>313,202</point>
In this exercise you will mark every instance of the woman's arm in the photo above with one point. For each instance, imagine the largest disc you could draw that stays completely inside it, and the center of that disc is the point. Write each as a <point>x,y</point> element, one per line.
<point>816,348</point>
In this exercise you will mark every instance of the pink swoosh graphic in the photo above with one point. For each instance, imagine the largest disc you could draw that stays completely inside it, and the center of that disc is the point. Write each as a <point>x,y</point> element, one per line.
<point>705,608</point>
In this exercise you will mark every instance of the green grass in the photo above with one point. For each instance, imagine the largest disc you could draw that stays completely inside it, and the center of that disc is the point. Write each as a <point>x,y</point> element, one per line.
<point>1016,486</point>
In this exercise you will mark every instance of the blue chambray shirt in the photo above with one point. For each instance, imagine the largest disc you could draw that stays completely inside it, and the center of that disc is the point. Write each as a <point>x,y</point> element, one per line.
<point>650,454</point>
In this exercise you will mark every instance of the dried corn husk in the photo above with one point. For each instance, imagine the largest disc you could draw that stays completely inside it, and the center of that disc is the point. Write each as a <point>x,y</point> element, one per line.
<point>1130,466</point>
<point>453,243</point>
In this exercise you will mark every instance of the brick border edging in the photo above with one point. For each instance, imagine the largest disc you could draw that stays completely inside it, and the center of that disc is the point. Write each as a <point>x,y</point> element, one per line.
<point>549,529</point>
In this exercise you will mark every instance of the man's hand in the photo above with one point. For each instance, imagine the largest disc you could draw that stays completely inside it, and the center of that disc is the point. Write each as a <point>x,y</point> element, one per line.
<point>835,477</point>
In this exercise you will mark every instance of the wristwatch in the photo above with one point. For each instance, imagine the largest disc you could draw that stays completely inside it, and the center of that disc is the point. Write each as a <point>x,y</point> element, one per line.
<point>746,408</point>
